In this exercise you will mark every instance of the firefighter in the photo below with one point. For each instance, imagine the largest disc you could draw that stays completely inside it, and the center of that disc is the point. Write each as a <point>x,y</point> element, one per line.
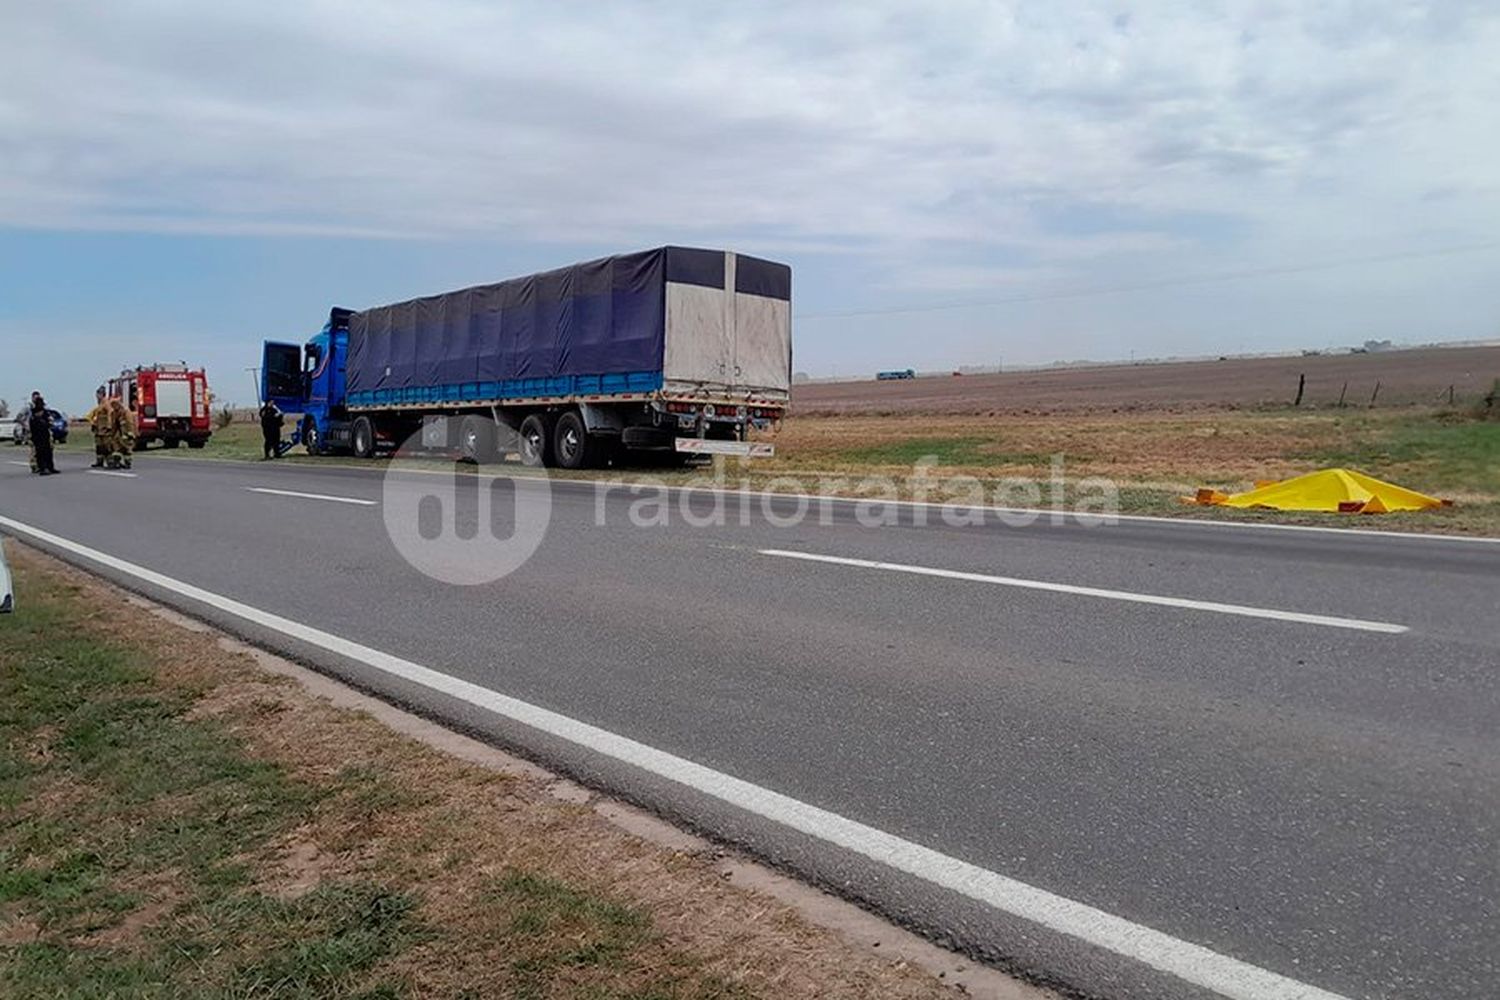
<point>39,423</point>
<point>100,421</point>
<point>122,434</point>
<point>270,430</point>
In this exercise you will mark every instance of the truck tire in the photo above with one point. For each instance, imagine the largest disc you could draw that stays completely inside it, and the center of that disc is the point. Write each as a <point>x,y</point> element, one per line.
<point>310,438</point>
<point>476,440</point>
<point>171,442</point>
<point>197,443</point>
<point>536,441</point>
<point>572,445</point>
<point>362,437</point>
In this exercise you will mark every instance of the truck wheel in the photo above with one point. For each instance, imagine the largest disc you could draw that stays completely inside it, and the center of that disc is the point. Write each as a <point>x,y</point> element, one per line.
<point>196,443</point>
<point>310,439</point>
<point>362,437</point>
<point>171,442</point>
<point>476,440</point>
<point>536,441</point>
<point>572,446</point>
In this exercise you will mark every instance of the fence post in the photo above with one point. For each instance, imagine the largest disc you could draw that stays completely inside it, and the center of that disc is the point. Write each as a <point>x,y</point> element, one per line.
<point>1375,393</point>
<point>1342,391</point>
<point>1301,384</point>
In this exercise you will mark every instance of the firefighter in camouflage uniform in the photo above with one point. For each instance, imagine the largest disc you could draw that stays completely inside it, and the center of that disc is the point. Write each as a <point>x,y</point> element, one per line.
<point>122,434</point>
<point>99,420</point>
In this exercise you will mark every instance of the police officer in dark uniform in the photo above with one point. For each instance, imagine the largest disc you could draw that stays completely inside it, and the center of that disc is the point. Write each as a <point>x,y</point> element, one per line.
<point>40,425</point>
<point>270,430</point>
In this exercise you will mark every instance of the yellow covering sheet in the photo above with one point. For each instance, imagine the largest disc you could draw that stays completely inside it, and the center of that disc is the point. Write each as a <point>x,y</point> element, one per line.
<point>1333,490</point>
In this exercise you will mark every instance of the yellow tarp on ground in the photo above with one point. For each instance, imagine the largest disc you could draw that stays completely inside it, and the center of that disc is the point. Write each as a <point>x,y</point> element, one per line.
<point>1334,490</point>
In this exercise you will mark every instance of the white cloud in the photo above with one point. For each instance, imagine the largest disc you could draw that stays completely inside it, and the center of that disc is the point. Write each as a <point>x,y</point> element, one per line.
<point>947,132</point>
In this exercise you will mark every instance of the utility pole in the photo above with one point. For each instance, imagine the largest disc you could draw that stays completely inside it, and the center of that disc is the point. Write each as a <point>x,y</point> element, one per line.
<point>255,379</point>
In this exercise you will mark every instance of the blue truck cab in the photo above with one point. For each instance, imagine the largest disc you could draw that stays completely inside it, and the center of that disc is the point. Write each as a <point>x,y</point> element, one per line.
<point>311,379</point>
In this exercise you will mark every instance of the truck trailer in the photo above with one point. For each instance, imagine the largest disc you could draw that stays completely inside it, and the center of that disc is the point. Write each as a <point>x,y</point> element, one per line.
<point>674,351</point>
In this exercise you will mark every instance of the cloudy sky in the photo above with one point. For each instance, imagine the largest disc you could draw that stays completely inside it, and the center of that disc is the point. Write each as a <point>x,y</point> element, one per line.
<point>953,183</point>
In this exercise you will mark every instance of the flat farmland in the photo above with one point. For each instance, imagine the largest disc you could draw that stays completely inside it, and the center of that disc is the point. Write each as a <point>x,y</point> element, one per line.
<point>1405,377</point>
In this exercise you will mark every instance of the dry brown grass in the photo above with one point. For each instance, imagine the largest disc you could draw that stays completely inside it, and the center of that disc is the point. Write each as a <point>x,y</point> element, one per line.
<point>1153,457</point>
<point>1139,447</point>
<point>482,851</point>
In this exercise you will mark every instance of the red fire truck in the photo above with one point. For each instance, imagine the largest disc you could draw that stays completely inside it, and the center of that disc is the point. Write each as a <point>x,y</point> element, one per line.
<point>170,403</point>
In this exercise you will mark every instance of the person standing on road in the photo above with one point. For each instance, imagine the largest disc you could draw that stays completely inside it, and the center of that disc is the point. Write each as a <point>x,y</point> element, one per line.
<point>40,425</point>
<point>100,420</point>
<point>121,432</point>
<point>270,430</point>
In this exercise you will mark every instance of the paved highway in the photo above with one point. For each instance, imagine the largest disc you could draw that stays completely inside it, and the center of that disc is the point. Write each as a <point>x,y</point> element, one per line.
<point>1141,759</point>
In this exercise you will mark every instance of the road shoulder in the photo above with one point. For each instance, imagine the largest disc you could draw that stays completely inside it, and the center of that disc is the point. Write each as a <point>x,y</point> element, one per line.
<point>505,875</point>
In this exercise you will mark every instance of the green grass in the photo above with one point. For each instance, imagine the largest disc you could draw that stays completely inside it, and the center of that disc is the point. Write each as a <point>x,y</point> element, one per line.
<point>946,451</point>
<point>139,844</point>
<point>239,441</point>
<point>543,910</point>
<point>1449,451</point>
<point>115,800</point>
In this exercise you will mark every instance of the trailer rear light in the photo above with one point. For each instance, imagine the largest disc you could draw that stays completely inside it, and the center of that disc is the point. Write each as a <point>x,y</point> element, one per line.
<point>148,410</point>
<point>681,408</point>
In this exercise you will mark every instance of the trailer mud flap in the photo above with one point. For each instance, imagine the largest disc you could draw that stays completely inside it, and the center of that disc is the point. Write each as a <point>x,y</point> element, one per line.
<point>746,449</point>
<point>7,599</point>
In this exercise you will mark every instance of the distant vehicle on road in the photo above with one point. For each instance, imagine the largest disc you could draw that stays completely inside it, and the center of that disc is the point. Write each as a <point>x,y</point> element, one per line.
<point>675,351</point>
<point>170,403</point>
<point>893,375</point>
<point>20,430</point>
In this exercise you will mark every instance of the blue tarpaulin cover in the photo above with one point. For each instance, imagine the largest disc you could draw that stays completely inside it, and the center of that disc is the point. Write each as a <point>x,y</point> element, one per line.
<point>599,318</point>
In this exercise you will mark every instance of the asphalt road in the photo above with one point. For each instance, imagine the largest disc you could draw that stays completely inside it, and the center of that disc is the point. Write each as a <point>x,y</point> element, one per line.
<point>1290,760</point>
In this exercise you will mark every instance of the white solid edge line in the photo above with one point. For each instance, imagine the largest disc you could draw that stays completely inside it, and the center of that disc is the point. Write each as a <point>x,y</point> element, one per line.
<point>1193,963</point>
<point>110,472</point>
<point>1243,610</point>
<point>312,496</point>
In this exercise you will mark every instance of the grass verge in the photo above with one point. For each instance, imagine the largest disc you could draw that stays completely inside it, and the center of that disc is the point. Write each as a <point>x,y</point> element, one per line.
<point>174,821</point>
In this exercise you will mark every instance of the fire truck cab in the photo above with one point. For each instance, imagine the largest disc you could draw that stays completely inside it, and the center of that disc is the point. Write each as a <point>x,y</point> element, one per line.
<point>170,404</point>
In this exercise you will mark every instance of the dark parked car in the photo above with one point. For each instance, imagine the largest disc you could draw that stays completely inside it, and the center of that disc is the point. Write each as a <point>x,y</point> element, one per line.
<point>21,434</point>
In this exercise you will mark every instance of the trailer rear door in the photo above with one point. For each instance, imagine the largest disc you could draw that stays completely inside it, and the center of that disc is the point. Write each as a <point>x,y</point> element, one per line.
<point>762,294</point>
<point>699,347</point>
<point>728,324</point>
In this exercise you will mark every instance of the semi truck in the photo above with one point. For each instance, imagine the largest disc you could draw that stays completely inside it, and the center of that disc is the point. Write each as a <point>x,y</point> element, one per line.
<point>170,404</point>
<point>674,351</point>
